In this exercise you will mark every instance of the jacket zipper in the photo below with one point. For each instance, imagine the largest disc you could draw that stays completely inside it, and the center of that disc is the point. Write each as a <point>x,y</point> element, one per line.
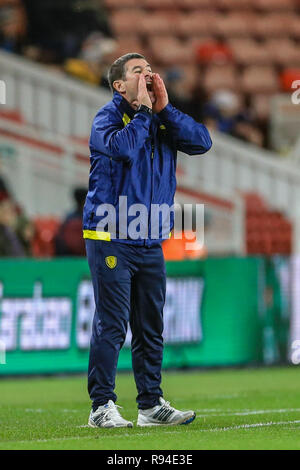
<point>152,158</point>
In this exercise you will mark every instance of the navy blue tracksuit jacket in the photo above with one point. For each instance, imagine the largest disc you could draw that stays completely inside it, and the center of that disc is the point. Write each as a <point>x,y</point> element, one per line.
<point>133,154</point>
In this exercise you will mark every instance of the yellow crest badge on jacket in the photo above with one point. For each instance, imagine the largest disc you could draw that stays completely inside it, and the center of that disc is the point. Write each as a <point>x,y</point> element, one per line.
<point>111,261</point>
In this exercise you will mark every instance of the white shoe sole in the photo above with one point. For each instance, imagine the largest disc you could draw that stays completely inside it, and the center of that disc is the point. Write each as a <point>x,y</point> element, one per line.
<point>93,425</point>
<point>181,421</point>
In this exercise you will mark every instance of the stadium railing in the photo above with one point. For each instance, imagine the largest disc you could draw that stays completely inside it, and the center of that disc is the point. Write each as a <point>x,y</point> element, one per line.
<point>49,100</point>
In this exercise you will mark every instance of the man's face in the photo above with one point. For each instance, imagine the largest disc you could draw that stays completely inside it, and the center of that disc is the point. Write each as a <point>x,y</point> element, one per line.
<point>128,87</point>
<point>8,214</point>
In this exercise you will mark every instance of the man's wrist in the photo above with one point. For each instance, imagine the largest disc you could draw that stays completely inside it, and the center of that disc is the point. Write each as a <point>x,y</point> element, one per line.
<point>144,108</point>
<point>166,109</point>
<point>163,107</point>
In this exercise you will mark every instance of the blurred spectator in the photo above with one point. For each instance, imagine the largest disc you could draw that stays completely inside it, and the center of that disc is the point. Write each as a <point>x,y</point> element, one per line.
<point>90,65</point>
<point>69,240</point>
<point>181,91</point>
<point>13,24</point>
<point>224,110</point>
<point>25,232</point>
<point>10,244</point>
<point>3,186</point>
<point>225,113</point>
<point>246,130</point>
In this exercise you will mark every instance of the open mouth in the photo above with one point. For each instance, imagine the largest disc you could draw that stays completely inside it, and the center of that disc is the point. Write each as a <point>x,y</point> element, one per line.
<point>149,86</point>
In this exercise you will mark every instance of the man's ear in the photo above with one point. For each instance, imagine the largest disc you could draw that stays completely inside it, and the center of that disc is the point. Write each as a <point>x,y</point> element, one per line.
<point>119,86</point>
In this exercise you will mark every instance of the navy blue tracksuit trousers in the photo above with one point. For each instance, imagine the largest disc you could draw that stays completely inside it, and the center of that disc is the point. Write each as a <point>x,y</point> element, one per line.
<point>129,285</point>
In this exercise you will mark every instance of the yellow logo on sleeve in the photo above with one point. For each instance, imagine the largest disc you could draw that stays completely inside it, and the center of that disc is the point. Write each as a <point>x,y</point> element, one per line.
<point>126,119</point>
<point>111,261</point>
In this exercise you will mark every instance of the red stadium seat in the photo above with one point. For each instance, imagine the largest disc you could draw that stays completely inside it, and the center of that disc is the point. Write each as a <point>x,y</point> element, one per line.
<point>267,232</point>
<point>283,51</point>
<point>254,202</point>
<point>257,79</point>
<point>213,52</point>
<point>152,24</point>
<point>128,44</point>
<point>191,24</point>
<point>159,4</point>
<point>273,25</point>
<point>266,246</point>
<point>170,51</point>
<point>273,5</point>
<point>220,77</point>
<point>236,24</point>
<point>194,41</point>
<point>295,27</point>
<point>122,21</point>
<point>246,51</point>
<point>287,78</point>
<point>234,4</point>
<point>195,4</point>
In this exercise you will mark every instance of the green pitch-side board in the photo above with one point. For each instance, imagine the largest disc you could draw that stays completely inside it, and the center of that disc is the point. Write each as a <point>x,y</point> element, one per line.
<point>39,292</point>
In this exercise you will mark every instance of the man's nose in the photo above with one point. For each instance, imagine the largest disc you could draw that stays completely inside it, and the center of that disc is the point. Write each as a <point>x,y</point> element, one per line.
<point>148,74</point>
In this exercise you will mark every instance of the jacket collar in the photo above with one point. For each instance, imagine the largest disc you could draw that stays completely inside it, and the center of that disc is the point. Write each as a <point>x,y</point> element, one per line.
<point>123,104</point>
<point>126,108</point>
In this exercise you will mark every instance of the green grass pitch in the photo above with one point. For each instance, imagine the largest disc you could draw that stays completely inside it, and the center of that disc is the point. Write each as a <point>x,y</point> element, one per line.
<point>236,409</point>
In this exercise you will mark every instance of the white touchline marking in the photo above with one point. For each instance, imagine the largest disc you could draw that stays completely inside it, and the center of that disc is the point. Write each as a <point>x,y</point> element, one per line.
<point>34,410</point>
<point>210,396</point>
<point>226,397</point>
<point>40,410</point>
<point>204,412</point>
<point>70,411</point>
<point>244,413</point>
<point>134,435</point>
<point>255,425</point>
<point>210,410</point>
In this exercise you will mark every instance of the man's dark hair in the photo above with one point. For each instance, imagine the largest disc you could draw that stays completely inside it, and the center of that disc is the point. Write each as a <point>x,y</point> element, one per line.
<point>117,69</point>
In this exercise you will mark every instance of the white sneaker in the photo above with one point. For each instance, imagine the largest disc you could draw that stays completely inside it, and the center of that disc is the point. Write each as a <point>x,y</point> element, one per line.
<point>108,416</point>
<point>164,414</point>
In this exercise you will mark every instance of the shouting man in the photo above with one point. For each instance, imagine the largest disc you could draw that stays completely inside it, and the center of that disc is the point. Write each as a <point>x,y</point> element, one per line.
<point>134,142</point>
